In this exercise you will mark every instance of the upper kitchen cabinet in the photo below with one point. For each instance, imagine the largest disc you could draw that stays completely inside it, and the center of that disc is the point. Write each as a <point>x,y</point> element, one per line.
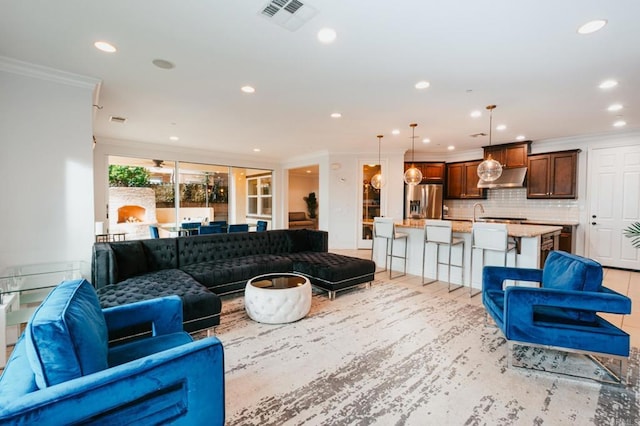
<point>509,155</point>
<point>462,180</point>
<point>432,172</point>
<point>552,175</point>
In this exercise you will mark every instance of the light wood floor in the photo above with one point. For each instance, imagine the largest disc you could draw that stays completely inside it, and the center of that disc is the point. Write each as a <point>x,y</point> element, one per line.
<point>624,282</point>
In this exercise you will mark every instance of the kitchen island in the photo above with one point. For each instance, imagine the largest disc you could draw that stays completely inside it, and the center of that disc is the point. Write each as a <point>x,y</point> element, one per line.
<point>529,242</point>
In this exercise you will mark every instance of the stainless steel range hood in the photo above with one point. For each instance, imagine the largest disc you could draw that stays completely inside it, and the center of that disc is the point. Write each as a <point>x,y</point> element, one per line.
<point>510,178</point>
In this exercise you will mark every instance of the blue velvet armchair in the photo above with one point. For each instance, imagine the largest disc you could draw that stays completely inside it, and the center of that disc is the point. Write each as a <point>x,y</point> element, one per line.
<point>562,312</point>
<point>62,370</point>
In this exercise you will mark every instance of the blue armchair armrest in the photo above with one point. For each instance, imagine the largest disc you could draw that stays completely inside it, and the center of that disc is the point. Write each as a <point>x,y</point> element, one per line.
<point>494,276</point>
<point>606,300</point>
<point>538,315</point>
<point>182,385</point>
<point>165,315</point>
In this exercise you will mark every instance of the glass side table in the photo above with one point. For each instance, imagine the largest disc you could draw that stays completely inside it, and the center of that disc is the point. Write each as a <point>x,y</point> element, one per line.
<point>22,288</point>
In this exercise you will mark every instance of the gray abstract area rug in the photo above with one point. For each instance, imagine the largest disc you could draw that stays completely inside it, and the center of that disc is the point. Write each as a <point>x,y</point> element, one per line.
<point>396,355</point>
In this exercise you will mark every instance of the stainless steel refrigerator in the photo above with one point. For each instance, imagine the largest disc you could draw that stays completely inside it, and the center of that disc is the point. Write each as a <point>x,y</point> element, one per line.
<point>423,201</point>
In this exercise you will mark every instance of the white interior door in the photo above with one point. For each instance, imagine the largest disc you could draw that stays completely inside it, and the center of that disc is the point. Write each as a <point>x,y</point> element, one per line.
<point>615,204</point>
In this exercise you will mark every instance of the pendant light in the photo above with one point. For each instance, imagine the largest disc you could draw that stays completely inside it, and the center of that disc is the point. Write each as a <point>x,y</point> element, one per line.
<point>413,175</point>
<point>378,181</point>
<point>490,169</point>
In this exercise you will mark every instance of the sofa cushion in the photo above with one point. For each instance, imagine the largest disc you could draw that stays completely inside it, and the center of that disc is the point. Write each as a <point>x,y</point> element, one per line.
<point>564,271</point>
<point>298,241</point>
<point>197,302</point>
<point>161,253</point>
<point>241,269</point>
<point>333,271</point>
<point>66,337</point>
<point>131,259</point>
<point>215,247</point>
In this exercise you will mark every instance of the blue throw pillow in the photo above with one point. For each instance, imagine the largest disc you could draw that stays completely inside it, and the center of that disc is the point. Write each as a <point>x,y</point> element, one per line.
<point>66,337</point>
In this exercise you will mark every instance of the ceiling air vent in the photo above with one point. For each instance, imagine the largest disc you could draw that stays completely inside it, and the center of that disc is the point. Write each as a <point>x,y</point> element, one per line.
<point>293,6</point>
<point>115,119</point>
<point>289,14</point>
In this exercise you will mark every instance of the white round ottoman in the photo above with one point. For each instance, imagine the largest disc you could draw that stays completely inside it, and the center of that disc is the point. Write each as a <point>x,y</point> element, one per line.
<point>277,298</point>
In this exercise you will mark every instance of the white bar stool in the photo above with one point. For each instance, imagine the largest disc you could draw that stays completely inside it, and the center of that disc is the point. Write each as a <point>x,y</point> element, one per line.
<point>384,227</point>
<point>439,232</point>
<point>493,237</point>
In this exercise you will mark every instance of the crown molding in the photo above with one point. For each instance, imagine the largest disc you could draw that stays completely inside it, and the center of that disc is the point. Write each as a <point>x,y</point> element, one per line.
<point>27,69</point>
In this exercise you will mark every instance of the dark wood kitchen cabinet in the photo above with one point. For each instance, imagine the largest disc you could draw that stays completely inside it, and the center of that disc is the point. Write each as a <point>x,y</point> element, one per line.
<point>462,180</point>
<point>432,172</point>
<point>509,155</point>
<point>552,175</point>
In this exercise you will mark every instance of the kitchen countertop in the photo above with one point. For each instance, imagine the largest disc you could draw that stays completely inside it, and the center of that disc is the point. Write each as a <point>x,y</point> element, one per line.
<point>529,221</point>
<point>464,226</point>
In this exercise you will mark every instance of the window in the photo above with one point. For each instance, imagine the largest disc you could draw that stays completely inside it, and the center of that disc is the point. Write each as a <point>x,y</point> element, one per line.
<point>259,195</point>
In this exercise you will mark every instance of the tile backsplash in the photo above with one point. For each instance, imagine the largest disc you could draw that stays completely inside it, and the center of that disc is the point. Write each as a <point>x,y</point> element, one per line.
<point>513,202</point>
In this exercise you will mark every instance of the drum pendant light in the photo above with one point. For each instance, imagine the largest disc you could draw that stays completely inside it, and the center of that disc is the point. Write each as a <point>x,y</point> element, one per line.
<point>378,181</point>
<point>490,170</point>
<point>413,175</point>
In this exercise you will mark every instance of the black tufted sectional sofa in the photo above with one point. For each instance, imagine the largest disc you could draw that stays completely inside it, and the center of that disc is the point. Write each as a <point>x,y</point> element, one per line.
<point>201,268</point>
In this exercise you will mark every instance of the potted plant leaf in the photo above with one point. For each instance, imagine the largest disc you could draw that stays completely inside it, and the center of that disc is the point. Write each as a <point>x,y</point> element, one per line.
<point>312,204</point>
<point>633,232</point>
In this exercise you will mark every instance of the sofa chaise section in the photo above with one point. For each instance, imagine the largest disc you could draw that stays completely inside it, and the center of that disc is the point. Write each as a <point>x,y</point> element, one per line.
<point>131,271</point>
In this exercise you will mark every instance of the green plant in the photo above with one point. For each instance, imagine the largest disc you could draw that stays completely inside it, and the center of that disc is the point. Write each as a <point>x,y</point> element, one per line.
<point>633,232</point>
<point>129,176</point>
<point>312,204</point>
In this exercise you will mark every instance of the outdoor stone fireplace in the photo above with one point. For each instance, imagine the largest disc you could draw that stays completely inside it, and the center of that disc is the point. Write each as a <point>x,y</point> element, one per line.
<point>131,211</point>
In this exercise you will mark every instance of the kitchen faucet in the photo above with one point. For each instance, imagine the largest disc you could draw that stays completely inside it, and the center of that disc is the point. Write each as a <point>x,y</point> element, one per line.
<point>474,210</point>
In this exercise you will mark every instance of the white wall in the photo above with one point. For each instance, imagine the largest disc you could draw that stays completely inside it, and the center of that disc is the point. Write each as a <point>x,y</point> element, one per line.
<point>45,165</point>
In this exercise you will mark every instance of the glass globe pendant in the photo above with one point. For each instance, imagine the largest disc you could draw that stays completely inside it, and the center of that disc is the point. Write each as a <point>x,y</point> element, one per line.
<point>413,175</point>
<point>490,169</point>
<point>378,181</point>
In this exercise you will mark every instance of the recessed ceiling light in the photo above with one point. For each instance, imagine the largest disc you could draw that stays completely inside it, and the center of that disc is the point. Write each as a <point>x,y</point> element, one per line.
<point>620,123</point>
<point>327,35</point>
<point>614,107</point>
<point>592,26</point>
<point>608,84</point>
<point>422,84</point>
<point>520,137</point>
<point>174,138</point>
<point>336,115</point>
<point>501,127</point>
<point>426,140</point>
<point>105,47</point>
<point>256,149</point>
<point>395,132</point>
<point>476,114</point>
<point>248,89</point>
<point>451,147</point>
<point>161,63</point>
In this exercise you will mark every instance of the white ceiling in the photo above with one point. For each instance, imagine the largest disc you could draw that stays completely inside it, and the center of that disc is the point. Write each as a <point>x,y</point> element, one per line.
<point>526,57</point>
